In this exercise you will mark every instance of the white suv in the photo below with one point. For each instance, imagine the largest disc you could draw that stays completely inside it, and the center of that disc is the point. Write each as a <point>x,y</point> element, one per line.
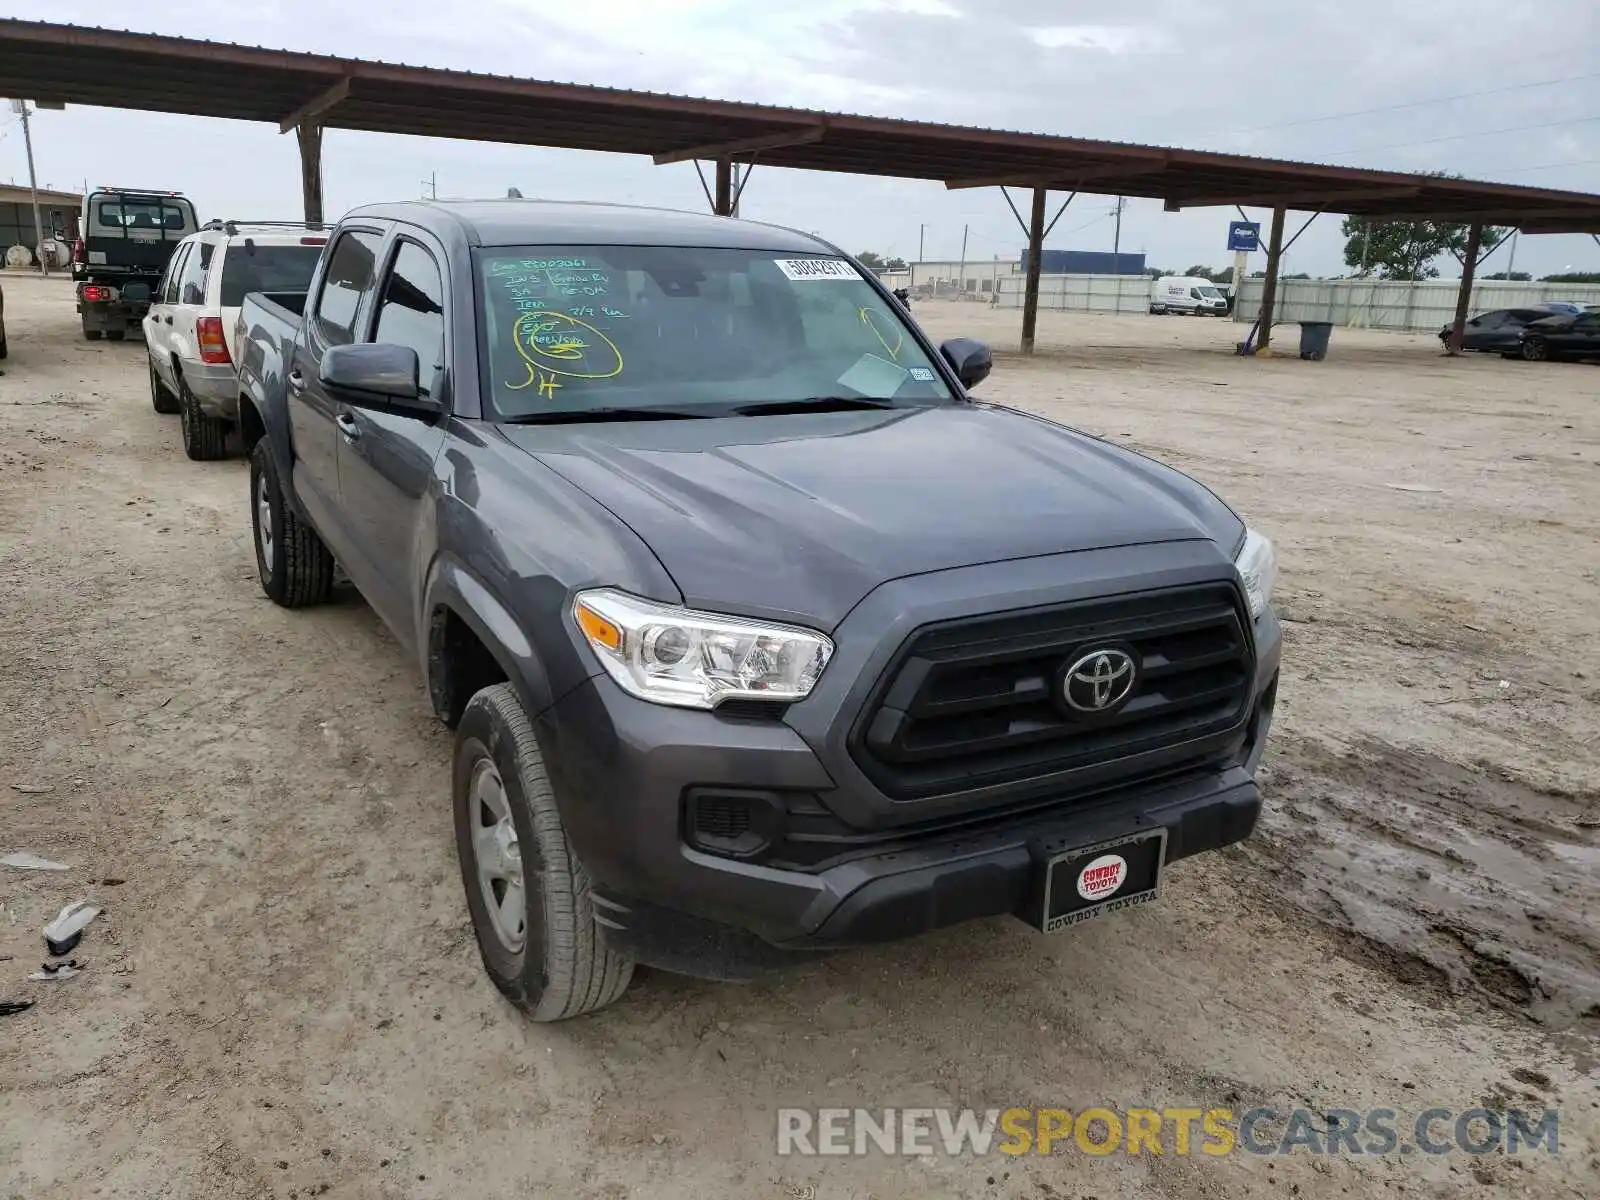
<point>190,326</point>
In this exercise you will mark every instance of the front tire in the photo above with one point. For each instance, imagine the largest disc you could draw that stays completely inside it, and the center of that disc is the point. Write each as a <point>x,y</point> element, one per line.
<point>295,568</point>
<point>116,335</point>
<point>1535,349</point>
<point>161,397</point>
<point>204,438</point>
<point>526,890</point>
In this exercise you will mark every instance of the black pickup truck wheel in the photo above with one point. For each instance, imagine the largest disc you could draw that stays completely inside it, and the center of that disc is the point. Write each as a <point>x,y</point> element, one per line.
<point>204,438</point>
<point>296,569</point>
<point>527,891</point>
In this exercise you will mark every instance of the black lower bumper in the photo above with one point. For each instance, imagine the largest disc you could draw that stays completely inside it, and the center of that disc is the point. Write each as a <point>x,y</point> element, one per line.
<point>674,907</point>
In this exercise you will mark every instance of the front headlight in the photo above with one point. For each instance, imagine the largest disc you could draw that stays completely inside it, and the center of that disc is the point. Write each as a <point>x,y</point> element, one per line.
<point>1258,568</point>
<point>672,655</point>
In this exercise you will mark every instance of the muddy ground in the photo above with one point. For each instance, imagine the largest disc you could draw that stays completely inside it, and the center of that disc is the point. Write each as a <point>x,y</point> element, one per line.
<point>283,998</point>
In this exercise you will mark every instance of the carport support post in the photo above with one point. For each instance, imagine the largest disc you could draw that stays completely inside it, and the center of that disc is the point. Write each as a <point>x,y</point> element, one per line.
<point>309,134</point>
<point>723,206</point>
<point>1030,295</point>
<point>1469,267</point>
<point>1269,286</point>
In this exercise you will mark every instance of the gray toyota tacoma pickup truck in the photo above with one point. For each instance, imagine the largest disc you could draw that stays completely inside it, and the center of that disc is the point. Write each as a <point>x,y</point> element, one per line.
<point>760,636</point>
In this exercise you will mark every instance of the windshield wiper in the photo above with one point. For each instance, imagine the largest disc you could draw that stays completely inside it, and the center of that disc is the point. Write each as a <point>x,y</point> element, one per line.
<point>812,404</point>
<point>580,415</point>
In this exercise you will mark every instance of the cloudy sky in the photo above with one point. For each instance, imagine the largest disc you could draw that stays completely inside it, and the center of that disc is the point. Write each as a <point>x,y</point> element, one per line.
<point>1506,90</point>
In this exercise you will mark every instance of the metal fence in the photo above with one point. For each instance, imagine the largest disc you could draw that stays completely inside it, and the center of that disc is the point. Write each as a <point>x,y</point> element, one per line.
<point>1380,304</point>
<point>1082,293</point>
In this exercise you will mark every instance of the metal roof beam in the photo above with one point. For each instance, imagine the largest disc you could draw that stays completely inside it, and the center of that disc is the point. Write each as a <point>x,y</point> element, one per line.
<point>1489,216</point>
<point>1323,199</point>
<point>1062,179</point>
<point>317,105</point>
<point>1591,226</point>
<point>749,145</point>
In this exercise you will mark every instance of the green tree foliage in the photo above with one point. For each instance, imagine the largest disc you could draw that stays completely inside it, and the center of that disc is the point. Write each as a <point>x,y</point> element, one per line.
<point>1407,249</point>
<point>1574,277</point>
<point>870,260</point>
<point>1514,276</point>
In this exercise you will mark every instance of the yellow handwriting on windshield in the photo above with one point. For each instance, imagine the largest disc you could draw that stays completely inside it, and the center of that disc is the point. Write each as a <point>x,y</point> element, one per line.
<point>558,344</point>
<point>871,323</point>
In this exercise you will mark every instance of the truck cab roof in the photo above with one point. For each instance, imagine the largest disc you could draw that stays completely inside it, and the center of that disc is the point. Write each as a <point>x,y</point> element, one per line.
<point>551,222</point>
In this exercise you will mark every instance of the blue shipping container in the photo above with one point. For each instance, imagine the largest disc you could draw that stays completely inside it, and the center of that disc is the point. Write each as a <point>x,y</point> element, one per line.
<point>1086,262</point>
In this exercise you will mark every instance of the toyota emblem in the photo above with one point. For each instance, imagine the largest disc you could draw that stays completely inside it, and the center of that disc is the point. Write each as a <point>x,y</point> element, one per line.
<point>1099,681</point>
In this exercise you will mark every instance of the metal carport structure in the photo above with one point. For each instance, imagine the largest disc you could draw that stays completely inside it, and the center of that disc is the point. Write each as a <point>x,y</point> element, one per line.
<point>308,93</point>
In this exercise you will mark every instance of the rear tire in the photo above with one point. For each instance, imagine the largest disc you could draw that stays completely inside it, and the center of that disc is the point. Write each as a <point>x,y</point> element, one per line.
<point>116,335</point>
<point>91,335</point>
<point>528,894</point>
<point>204,438</point>
<point>1535,349</point>
<point>295,568</point>
<point>161,397</point>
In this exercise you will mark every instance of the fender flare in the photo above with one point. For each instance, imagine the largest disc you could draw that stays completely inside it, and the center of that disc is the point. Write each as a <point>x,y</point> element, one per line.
<point>452,587</point>
<point>274,420</point>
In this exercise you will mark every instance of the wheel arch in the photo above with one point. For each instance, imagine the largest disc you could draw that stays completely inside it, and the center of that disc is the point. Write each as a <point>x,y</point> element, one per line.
<point>471,640</point>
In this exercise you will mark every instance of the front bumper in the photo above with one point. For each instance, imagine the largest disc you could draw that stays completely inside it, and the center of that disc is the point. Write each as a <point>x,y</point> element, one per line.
<point>622,769</point>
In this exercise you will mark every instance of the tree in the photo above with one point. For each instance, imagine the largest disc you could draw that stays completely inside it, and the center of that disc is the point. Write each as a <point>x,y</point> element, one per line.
<point>894,264</point>
<point>1574,277</point>
<point>1200,272</point>
<point>870,260</point>
<point>1514,276</point>
<point>1406,249</point>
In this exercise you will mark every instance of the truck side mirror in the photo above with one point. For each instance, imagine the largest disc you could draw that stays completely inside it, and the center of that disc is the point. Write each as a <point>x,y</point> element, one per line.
<point>970,359</point>
<point>376,375</point>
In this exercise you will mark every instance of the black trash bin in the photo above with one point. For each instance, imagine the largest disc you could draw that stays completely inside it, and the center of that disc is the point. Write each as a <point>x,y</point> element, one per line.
<point>1314,338</point>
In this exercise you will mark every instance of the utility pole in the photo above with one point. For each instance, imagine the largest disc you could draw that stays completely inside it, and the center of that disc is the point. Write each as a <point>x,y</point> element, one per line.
<point>432,184</point>
<point>961,275</point>
<point>738,186</point>
<point>1366,243</point>
<point>1116,251</point>
<point>21,107</point>
<point>922,233</point>
<point>1513,259</point>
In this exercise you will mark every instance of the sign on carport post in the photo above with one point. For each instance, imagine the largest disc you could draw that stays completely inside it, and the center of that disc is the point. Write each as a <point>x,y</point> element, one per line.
<point>1244,235</point>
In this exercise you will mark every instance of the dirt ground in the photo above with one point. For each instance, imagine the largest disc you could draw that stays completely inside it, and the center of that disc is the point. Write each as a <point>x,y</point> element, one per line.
<point>283,998</point>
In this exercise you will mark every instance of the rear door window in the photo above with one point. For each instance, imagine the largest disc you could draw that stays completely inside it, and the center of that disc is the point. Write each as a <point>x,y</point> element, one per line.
<point>411,312</point>
<point>352,265</point>
<point>192,282</point>
<point>169,285</point>
<point>249,267</point>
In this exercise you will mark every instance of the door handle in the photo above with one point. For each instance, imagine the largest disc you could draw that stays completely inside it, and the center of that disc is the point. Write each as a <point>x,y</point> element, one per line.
<point>347,426</point>
<point>297,381</point>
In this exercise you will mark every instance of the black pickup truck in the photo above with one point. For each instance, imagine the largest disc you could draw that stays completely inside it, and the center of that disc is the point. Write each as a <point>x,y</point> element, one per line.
<point>759,635</point>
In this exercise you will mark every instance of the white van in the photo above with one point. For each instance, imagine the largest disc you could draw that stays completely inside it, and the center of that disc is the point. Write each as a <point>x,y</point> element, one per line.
<point>1187,294</point>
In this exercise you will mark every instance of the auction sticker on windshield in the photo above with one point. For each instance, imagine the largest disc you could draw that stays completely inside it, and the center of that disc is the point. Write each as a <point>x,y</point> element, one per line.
<point>802,270</point>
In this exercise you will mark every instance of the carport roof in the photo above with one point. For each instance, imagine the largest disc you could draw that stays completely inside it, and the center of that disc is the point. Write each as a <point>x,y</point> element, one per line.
<point>119,69</point>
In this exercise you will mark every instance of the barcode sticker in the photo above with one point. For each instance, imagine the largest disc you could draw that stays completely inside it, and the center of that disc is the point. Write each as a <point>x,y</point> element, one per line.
<point>805,269</point>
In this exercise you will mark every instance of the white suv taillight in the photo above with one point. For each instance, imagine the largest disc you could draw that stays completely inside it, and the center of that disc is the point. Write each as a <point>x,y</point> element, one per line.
<point>208,334</point>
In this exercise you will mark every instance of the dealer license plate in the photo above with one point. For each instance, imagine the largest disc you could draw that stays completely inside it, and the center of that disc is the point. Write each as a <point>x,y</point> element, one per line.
<point>1091,881</point>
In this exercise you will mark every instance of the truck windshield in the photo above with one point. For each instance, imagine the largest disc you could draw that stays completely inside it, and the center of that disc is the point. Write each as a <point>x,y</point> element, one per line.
<point>253,268</point>
<point>697,330</point>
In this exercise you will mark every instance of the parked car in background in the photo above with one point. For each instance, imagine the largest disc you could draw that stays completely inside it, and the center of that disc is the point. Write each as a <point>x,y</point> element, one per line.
<point>714,566</point>
<point>1561,337</point>
<point>1497,331</point>
<point>1567,308</point>
<point>1187,294</point>
<point>126,240</point>
<point>191,331</point>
